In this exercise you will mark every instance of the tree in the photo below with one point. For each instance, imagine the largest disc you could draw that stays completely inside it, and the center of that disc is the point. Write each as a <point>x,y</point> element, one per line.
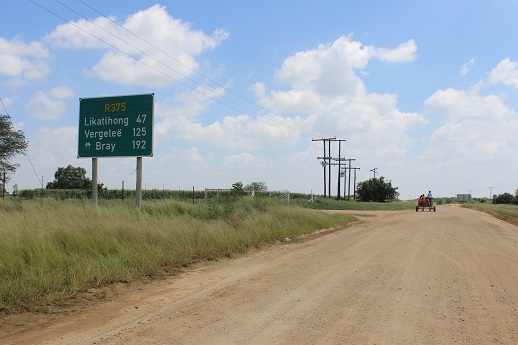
<point>70,178</point>
<point>256,186</point>
<point>237,189</point>
<point>376,189</point>
<point>12,143</point>
<point>506,198</point>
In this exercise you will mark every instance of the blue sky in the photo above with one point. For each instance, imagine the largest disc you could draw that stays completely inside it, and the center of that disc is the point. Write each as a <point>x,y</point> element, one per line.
<point>426,92</point>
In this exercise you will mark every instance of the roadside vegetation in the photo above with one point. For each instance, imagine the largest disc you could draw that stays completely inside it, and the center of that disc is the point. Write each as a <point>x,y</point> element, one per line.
<point>510,210</point>
<point>331,204</point>
<point>52,249</point>
<point>505,204</point>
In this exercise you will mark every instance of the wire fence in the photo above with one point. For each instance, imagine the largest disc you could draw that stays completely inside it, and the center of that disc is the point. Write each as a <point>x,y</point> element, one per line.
<point>152,194</point>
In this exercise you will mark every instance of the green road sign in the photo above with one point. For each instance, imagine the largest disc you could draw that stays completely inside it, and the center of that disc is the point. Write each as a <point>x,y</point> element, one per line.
<point>120,126</point>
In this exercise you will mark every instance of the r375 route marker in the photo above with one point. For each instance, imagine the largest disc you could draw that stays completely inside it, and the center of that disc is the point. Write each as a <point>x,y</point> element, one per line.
<point>119,126</point>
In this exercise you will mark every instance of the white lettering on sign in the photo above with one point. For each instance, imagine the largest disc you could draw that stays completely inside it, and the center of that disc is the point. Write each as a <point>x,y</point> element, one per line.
<point>104,147</point>
<point>106,121</point>
<point>103,134</point>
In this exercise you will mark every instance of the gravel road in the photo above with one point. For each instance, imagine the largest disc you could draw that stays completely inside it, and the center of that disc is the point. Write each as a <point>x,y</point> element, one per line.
<point>405,277</point>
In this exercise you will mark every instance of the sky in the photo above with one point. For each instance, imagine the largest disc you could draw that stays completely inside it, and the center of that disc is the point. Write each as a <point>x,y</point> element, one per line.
<point>425,92</point>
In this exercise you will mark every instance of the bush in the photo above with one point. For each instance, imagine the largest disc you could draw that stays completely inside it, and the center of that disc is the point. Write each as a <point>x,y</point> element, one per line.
<point>376,189</point>
<point>505,198</point>
<point>27,194</point>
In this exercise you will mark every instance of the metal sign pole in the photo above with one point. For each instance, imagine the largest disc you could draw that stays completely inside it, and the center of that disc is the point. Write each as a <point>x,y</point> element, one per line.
<point>94,182</point>
<point>139,183</point>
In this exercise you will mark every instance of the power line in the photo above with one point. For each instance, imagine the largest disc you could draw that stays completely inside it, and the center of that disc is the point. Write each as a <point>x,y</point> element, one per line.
<point>25,153</point>
<point>254,114</point>
<point>173,58</point>
<point>238,105</point>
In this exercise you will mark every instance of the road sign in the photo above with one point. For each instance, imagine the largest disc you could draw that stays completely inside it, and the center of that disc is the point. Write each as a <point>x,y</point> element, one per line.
<point>120,126</point>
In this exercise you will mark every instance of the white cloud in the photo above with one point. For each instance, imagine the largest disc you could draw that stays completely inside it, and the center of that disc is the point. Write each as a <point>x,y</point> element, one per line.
<point>405,52</point>
<point>328,69</point>
<point>7,101</point>
<point>51,147</point>
<point>331,98</point>
<point>506,73</point>
<point>62,92</point>
<point>182,119</point>
<point>460,104</point>
<point>49,105</point>
<point>149,48</point>
<point>259,89</point>
<point>477,128</point>
<point>239,159</point>
<point>245,165</point>
<point>466,68</point>
<point>23,60</point>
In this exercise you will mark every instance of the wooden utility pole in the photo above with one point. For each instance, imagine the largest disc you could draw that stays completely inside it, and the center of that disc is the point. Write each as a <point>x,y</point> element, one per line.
<point>329,157</point>
<point>338,182</point>
<point>325,162</point>
<point>345,178</point>
<point>339,159</point>
<point>354,190</point>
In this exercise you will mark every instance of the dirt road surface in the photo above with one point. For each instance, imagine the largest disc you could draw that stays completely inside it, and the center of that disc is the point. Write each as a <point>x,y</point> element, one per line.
<point>449,277</point>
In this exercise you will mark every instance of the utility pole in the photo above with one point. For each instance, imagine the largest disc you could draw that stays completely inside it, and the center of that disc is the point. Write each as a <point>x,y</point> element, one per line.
<point>354,190</point>
<point>335,164</point>
<point>338,184</point>
<point>324,163</point>
<point>339,159</point>
<point>329,157</point>
<point>491,194</point>
<point>345,179</point>
<point>374,171</point>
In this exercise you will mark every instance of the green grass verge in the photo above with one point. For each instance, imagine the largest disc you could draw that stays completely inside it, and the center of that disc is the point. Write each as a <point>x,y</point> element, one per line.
<point>331,204</point>
<point>51,250</point>
<point>505,209</point>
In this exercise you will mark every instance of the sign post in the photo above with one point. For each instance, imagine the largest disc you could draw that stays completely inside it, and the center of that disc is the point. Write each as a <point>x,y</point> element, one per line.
<point>95,179</point>
<point>118,126</point>
<point>139,182</point>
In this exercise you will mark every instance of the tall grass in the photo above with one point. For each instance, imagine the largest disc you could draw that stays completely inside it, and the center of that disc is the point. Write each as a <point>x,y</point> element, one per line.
<point>50,250</point>
<point>505,209</point>
<point>322,203</point>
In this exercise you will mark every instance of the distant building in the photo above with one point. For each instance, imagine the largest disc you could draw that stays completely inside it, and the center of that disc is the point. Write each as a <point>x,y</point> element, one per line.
<point>463,197</point>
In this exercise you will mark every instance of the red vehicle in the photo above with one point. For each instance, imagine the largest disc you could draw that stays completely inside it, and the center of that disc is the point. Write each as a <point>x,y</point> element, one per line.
<point>424,203</point>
